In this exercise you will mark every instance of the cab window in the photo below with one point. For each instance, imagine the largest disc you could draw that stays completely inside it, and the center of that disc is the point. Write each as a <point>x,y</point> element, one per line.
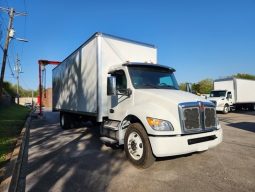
<point>229,95</point>
<point>121,80</point>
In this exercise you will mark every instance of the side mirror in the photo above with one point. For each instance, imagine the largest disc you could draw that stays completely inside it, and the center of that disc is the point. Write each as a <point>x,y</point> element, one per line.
<point>188,88</point>
<point>111,86</point>
<point>129,92</point>
<point>229,96</point>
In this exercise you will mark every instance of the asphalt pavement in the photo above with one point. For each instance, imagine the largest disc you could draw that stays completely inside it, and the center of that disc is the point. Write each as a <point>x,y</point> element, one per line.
<point>76,160</point>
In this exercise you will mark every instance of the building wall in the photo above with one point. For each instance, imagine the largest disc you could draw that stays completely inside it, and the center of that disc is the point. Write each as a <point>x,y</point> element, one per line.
<point>23,100</point>
<point>47,98</point>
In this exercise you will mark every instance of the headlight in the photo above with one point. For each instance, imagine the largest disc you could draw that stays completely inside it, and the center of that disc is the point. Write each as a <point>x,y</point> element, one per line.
<point>159,125</point>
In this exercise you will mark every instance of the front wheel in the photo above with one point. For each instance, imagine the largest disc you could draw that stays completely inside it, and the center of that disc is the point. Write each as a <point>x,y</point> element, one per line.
<point>226,109</point>
<point>137,146</point>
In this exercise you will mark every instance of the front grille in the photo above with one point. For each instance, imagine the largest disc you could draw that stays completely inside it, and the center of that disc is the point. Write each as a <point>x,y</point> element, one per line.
<point>191,118</point>
<point>210,119</point>
<point>197,116</point>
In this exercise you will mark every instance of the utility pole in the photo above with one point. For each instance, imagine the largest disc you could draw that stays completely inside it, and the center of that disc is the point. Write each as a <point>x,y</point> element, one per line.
<point>9,35</point>
<point>6,45</point>
<point>17,69</point>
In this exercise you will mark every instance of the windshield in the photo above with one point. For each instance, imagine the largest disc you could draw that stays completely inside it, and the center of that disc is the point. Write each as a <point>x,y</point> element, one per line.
<point>218,94</point>
<point>143,77</point>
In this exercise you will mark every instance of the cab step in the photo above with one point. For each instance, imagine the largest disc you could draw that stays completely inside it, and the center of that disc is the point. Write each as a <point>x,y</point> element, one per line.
<point>108,140</point>
<point>111,124</point>
<point>111,127</point>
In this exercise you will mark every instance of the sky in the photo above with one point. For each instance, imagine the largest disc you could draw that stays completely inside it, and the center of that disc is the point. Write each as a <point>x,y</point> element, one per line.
<point>199,38</point>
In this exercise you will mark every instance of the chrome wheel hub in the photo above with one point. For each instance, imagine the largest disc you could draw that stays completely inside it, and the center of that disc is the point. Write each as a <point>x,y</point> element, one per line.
<point>135,146</point>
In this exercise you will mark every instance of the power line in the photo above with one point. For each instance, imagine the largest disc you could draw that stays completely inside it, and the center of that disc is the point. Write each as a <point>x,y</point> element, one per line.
<point>3,25</point>
<point>27,86</point>
<point>25,5</point>
<point>3,21</point>
<point>10,66</point>
<point>13,51</point>
<point>24,28</point>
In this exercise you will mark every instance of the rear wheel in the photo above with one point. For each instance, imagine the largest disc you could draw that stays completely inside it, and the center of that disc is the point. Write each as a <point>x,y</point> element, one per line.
<point>252,107</point>
<point>137,146</point>
<point>64,120</point>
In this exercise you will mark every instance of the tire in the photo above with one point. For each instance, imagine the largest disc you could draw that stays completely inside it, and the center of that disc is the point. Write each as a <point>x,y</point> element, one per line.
<point>137,146</point>
<point>64,120</point>
<point>225,109</point>
<point>252,107</point>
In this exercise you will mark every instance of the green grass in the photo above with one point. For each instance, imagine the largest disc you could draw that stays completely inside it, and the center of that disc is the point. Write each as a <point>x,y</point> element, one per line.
<point>12,119</point>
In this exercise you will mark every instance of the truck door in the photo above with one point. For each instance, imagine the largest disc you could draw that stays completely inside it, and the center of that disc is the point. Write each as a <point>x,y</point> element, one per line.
<point>119,103</point>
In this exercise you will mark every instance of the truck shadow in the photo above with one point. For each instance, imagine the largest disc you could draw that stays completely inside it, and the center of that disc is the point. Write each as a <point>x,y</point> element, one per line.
<point>69,160</point>
<point>247,126</point>
<point>246,112</point>
<point>175,157</point>
<point>230,120</point>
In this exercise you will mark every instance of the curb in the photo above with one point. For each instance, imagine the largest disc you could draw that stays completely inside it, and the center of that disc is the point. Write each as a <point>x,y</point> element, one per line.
<point>13,169</point>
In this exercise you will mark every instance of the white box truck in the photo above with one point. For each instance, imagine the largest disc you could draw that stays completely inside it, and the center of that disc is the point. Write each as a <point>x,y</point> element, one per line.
<point>116,82</point>
<point>233,94</point>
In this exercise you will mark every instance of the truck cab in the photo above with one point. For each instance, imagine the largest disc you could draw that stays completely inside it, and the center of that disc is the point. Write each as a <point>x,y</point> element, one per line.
<point>153,118</point>
<point>223,100</point>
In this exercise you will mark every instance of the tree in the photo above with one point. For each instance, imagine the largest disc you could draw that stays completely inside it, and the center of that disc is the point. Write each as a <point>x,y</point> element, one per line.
<point>244,76</point>
<point>9,88</point>
<point>196,87</point>
<point>205,86</point>
<point>12,90</point>
<point>182,86</point>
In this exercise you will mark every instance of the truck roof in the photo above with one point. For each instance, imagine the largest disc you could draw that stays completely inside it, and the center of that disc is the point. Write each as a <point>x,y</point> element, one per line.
<point>231,78</point>
<point>121,38</point>
<point>109,36</point>
<point>148,65</point>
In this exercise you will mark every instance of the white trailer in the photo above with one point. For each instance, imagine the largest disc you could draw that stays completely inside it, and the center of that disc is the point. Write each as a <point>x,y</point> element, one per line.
<point>116,82</point>
<point>233,93</point>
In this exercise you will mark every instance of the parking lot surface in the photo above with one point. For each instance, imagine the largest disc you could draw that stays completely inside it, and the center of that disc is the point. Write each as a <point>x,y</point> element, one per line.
<point>76,160</point>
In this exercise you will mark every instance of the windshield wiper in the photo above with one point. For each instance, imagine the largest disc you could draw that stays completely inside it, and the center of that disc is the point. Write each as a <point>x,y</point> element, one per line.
<point>150,85</point>
<point>168,86</point>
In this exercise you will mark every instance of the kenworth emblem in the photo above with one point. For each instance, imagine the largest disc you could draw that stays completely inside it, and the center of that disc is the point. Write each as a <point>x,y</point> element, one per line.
<point>201,106</point>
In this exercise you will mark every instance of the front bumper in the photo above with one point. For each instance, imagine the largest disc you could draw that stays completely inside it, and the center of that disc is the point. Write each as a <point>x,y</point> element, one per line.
<point>219,108</point>
<point>177,145</point>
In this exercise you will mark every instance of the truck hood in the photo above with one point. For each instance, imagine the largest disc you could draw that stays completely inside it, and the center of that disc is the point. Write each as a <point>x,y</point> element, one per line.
<point>172,96</point>
<point>217,99</point>
<point>161,104</point>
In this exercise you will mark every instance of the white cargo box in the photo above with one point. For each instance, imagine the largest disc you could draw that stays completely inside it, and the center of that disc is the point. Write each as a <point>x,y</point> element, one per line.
<point>80,81</point>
